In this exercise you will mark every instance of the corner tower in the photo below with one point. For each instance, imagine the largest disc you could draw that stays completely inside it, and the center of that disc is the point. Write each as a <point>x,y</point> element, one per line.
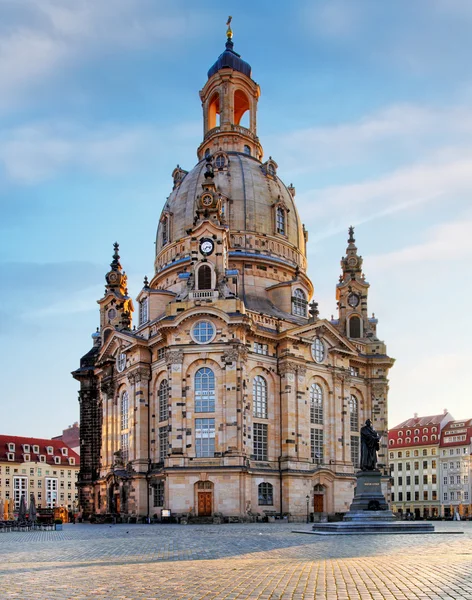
<point>227,96</point>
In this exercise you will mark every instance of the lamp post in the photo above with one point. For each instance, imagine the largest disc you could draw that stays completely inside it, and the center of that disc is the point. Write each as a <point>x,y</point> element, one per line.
<point>308,508</point>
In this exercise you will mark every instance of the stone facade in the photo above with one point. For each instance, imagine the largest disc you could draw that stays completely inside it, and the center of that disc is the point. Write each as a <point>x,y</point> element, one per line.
<point>231,396</point>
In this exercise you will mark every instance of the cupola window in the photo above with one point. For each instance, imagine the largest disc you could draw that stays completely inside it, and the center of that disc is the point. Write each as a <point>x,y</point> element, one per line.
<point>204,278</point>
<point>165,231</point>
<point>299,303</point>
<point>280,221</point>
<point>207,153</point>
<point>247,150</point>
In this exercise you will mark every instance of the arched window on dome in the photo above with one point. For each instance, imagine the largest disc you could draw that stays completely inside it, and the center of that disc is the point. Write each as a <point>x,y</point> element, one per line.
<point>316,404</point>
<point>280,220</point>
<point>204,277</point>
<point>247,150</point>
<point>241,109</point>
<point>299,303</point>
<point>354,327</point>
<point>214,111</point>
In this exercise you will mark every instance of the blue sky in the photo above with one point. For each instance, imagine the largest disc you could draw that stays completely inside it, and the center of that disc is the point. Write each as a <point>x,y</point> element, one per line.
<point>365,106</point>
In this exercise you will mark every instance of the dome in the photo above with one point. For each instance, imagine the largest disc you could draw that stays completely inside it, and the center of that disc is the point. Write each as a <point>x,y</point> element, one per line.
<point>230,59</point>
<point>252,196</point>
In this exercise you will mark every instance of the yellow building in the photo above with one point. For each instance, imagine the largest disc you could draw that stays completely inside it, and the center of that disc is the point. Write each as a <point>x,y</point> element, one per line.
<point>231,395</point>
<point>48,469</point>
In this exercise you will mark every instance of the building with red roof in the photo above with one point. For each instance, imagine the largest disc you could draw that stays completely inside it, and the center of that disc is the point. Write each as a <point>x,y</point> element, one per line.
<point>46,468</point>
<point>456,468</point>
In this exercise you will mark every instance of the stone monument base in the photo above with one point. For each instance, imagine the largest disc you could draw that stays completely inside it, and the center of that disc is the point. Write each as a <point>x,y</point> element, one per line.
<point>369,513</point>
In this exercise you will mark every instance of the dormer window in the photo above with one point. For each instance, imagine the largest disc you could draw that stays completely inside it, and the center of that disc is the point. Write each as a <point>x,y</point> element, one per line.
<point>64,451</point>
<point>36,449</point>
<point>26,457</point>
<point>26,448</point>
<point>299,303</point>
<point>408,432</point>
<point>71,460</point>
<point>10,456</point>
<point>57,460</point>
<point>49,449</point>
<point>271,169</point>
<point>42,458</point>
<point>400,433</point>
<point>11,447</point>
<point>280,220</point>
<point>143,311</point>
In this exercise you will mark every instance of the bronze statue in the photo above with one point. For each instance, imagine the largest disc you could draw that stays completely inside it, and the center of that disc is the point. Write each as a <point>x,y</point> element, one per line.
<point>370,443</point>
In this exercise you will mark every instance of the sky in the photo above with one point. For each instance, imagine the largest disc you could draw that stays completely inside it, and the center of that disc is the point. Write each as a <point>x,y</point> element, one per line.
<point>365,107</point>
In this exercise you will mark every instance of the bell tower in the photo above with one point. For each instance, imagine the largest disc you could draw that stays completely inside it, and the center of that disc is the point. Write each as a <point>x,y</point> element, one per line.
<point>226,97</point>
<point>351,294</point>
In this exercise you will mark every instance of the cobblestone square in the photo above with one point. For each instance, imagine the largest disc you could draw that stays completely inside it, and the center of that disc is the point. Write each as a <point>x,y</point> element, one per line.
<point>263,561</point>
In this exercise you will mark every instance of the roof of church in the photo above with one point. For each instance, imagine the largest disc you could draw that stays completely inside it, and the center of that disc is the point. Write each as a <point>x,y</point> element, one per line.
<point>229,59</point>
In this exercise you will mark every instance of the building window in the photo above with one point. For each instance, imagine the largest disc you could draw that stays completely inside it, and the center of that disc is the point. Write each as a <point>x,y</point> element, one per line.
<point>408,466</point>
<point>318,351</point>
<point>417,480</point>
<point>354,327</point>
<point>163,443</point>
<point>163,395</point>
<point>11,447</point>
<point>317,445</point>
<point>425,452</point>
<point>247,150</point>
<point>124,426</point>
<point>204,278</point>
<point>299,303</point>
<point>203,332</point>
<point>143,311</point>
<point>158,494</point>
<point>205,438</point>
<point>354,413</point>
<point>261,348</point>
<point>400,496</point>
<point>51,492</point>
<point>408,496</point>
<point>36,449</point>
<point>355,451</point>
<point>408,480</point>
<point>220,161</point>
<point>165,230</point>
<point>400,481</point>
<point>260,441</point>
<point>259,397</point>
<point>280,220</point>
<point>20,488</point>
<point>204,390</point>
<point>316,404</point>
<point>265,493</point>
<point>400,466</point>
<point>271,169</point>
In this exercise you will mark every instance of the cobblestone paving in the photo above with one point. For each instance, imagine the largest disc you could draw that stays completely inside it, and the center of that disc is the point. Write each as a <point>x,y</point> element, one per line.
<point>232,562</point>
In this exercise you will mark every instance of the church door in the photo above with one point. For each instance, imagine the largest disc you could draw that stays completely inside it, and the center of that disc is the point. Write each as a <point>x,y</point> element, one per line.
<point>317,503</point>
<point>204,504</point>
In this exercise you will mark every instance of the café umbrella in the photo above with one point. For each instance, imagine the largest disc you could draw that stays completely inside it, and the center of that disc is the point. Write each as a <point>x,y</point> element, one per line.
<point>32,509</point>
<point>22,510</point>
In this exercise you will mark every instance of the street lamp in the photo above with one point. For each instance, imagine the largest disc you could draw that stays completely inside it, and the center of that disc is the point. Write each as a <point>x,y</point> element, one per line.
<point>307,508</point>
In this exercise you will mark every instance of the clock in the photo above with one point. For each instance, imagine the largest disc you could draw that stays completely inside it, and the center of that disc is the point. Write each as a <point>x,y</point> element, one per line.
<point>207,200</point>
<point>353,300</point>
<point>206,246</point>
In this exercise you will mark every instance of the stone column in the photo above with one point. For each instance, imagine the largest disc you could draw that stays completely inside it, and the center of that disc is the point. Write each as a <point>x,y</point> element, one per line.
<point>174,359</point>
<point>287,371</point>
<point>233,399</point>
<point>303,417</point>
<point>139,419</point>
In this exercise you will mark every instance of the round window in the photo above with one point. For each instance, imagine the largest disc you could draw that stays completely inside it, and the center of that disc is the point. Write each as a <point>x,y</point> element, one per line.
<point>318,350</point>
<point>203,332</point>
<point>111,313</point>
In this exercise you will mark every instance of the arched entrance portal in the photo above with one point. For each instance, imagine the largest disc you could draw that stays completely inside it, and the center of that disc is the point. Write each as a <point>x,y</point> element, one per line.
<point>318,498</point>
<point>204,498</point>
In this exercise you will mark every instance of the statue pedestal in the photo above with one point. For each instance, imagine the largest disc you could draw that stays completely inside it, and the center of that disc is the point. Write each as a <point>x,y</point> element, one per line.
<point>369,513</point>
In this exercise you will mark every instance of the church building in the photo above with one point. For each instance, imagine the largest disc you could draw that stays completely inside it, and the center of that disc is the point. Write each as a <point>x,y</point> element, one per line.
<point>229,395</point>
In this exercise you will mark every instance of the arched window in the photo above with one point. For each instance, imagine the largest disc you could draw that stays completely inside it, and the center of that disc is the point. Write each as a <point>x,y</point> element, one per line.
<point>407,440</point>
<point>241,107</point>
<point>354,327</point>
<point>247,150</point>
<point>265,493</point>
<point>280,221</point>
<point>207,153</point>
<point>163,394</point>
<point>165,230</point>
<point>354,413</point>
<point>400,433</point>
<point>204,278</point>
<point>259,393</point>
<point>204,390</point>
<point>416,439</point>
<point>299,303</point>
<point>271,169</point>
<point>124,426</point>
<point>316,404</point>
<point>220,161</point>
<point>214,111</point>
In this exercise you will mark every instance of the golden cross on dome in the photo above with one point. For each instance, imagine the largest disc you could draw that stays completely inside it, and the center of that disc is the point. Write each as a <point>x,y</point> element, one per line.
<point>229,32</point>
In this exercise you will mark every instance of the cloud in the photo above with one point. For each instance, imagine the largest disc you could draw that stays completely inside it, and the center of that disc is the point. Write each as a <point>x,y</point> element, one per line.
<point>447,242</point>
<point>39,40</point>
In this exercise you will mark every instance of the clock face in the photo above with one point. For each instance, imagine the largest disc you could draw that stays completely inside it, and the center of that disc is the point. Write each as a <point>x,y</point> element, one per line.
<point>353,300</point>
<point>206,246</point>
<point>207,200</point>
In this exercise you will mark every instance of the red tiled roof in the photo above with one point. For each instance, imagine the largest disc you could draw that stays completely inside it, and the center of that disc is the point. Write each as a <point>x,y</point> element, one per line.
<point>420,421</point>
<point>57,446</point>
<point>459,428</point>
